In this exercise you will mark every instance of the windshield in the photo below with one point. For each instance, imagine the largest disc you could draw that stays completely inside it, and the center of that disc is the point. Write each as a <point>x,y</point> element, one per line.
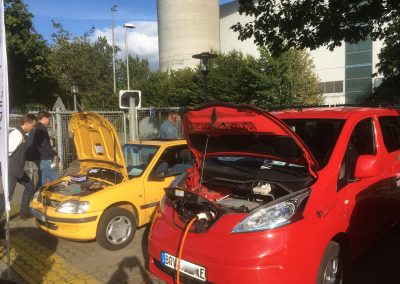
<point>138,157</point>
<point>319,135</point>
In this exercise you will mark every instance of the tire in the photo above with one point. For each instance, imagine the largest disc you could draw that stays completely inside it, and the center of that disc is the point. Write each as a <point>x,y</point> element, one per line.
<point>331,267</point>
<point>116,228</point>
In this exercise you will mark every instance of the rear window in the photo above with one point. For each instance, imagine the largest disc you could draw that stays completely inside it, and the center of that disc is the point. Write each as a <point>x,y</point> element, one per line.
<point>390,126</point>
<point>319,135</point>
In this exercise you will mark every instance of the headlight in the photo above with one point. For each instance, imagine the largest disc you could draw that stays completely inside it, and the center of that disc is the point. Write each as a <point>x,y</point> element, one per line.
<point>163,203</point>
<point>73,207</point>
<point>37,196</point>
<point>275,215</point>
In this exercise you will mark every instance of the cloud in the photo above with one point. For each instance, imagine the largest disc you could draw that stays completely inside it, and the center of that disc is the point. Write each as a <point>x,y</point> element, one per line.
<point>142,41</point>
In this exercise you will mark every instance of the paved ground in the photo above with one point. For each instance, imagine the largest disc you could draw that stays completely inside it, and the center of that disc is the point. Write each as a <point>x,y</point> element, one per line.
<point>37,257</point>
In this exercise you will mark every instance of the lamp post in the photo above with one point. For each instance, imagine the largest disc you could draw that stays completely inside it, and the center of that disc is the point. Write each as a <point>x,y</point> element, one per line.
<point>127,26</point>
<point>205,58</point>
<point>113,9</point>
<point>74,91</point>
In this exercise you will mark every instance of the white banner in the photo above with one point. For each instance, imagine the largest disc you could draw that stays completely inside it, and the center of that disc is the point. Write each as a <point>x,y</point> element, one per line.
<point>4,107</point>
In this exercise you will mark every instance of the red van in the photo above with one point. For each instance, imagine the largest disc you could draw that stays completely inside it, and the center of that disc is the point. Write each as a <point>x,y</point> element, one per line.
<point>281,197</point>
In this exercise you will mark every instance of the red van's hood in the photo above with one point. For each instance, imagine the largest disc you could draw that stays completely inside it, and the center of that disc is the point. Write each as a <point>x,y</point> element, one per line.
<point>224,129</point>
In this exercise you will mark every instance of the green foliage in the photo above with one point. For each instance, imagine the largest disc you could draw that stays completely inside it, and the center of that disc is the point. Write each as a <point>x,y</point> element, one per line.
<point>389,67</point>
<point>30,78</point>
<point>86,63</point>
<point>283,24</point>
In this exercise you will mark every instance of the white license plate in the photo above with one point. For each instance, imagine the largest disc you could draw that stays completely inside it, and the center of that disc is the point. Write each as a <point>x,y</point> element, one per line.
<point>39,215</point>
<point>186,267</point>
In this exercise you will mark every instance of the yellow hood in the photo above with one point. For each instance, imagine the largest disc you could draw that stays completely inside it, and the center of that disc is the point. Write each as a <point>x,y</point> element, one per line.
<point>97,143</point>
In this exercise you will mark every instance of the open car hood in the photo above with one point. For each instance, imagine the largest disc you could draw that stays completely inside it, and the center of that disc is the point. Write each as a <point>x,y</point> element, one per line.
<point>96,143</point>
<point>224,129</point>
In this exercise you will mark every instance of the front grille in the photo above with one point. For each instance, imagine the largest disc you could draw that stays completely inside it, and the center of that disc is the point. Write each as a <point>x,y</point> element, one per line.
<point>50,202</point>
<point>47,224</point>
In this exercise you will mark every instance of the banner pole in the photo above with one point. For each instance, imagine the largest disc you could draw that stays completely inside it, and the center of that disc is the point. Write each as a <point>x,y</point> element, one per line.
<point>8,244</point>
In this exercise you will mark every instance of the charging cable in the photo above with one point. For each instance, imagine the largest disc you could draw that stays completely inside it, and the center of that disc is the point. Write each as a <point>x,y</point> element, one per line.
<point>178,267</point>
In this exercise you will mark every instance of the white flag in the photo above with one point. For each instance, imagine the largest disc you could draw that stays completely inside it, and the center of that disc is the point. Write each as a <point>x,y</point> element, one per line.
<point>4,107</point>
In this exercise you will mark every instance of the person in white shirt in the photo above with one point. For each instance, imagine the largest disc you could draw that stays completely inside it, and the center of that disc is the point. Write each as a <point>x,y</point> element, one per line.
<point>18,143</point>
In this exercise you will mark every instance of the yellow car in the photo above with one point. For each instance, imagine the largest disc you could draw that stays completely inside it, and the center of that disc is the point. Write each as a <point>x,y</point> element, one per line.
<point>116,190</point>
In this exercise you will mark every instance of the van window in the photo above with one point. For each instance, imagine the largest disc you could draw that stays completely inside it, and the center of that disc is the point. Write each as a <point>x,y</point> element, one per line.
<point>362,142</point>
<point>390,126</point>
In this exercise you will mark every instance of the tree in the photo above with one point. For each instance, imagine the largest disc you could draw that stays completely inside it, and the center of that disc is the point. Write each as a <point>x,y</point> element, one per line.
<point>282,24</point>
<point>31,80</point>
<point>86,63</point>
<point>285,81</point>
<point>389,67</point>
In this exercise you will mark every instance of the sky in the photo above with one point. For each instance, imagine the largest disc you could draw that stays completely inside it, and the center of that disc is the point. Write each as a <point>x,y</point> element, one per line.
<point>78,16</point>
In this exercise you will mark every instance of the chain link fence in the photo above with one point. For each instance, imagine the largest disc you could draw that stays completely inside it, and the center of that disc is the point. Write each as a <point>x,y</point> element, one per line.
<point>148,127</point>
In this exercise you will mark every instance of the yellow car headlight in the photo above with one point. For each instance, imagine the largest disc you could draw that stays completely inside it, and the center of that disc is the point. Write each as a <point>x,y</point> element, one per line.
<point>73,207</point>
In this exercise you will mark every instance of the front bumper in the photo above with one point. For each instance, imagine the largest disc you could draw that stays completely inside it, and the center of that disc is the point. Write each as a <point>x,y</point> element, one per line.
<point>261,257</point>
<point>69,226</point>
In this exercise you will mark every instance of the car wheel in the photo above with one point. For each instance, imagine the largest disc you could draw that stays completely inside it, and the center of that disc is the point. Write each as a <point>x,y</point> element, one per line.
<point>116,228</point>
<point>331,268</point>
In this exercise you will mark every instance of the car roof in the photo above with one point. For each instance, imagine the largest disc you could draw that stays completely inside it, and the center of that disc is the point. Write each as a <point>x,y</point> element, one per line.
<point>339,112</point>
<point>159,142</point>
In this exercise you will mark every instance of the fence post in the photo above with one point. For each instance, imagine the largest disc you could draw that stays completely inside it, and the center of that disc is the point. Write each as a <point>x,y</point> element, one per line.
<point>59,139</point>
<point>124,119</point>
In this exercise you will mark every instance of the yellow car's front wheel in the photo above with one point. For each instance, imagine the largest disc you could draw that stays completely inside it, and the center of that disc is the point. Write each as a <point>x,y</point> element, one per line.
<point>116,228</point>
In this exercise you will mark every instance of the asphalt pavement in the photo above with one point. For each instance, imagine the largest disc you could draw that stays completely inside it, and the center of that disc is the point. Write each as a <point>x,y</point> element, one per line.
<point>37,257</point>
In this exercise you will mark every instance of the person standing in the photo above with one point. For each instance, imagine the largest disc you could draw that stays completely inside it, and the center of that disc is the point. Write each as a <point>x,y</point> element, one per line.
<point>168,128</point>
<point>18,144</point>
<point>41,151</point>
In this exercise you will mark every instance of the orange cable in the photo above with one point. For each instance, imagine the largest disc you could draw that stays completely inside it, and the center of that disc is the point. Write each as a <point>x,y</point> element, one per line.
<point>178,267</point>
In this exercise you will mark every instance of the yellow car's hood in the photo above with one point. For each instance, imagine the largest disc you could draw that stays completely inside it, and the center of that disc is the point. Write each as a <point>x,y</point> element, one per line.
<point>97,143</point>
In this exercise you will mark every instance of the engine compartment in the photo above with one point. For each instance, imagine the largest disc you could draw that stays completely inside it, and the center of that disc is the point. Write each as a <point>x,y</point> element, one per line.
<point>77,185</point>
<point>238,185</point>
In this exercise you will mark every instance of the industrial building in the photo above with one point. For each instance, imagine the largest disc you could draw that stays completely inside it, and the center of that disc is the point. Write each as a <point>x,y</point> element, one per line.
<point>187,27</point>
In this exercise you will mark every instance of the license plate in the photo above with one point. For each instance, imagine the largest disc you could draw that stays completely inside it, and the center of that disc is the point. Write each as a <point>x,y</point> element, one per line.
<point>39,215</point>
<point>186,267</point>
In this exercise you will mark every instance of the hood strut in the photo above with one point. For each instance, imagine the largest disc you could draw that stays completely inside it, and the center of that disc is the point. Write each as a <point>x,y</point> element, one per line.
<point>202,164</point>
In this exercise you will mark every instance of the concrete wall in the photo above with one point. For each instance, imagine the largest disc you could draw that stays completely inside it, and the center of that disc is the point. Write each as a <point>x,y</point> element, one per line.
<point>185,28</point>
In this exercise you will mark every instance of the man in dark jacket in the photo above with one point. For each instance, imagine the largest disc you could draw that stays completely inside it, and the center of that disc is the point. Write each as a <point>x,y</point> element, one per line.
<point>18,143</point>
<point>42,152</point>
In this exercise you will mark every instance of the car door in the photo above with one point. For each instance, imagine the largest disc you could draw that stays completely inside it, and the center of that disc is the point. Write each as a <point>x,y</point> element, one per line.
<point>161,176</point>
<point>362,197</point>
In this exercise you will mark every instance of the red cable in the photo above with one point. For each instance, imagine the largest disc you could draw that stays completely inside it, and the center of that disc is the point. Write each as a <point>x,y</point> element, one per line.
<point>178,267</point>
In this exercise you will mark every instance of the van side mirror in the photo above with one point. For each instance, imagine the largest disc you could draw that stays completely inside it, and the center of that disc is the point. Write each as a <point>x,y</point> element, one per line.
<point>366,166</point>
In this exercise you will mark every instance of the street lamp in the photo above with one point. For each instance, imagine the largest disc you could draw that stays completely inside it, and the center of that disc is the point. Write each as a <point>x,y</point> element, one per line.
<point>74,91</point>
<point>127,26</point>
<point>113,9</point>
<point>205,58</point>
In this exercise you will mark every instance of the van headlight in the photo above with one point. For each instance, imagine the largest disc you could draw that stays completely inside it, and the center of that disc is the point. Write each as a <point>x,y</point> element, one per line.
<point>73,207</point>
<point>274,215</point>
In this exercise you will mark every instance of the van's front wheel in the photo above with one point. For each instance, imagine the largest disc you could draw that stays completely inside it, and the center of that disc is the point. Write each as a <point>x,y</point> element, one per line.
<point>331,268</point>
<point>116,228</point>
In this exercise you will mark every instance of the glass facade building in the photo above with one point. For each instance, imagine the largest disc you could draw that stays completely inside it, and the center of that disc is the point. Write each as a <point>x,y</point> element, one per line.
<point>358,71</point>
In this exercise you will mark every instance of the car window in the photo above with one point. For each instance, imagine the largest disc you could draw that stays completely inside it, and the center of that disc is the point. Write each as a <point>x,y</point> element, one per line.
<point>390,126</point>
<point>362,142</point>
<point>138,157</point>
<point>173,161</point>
<point>319,135</point>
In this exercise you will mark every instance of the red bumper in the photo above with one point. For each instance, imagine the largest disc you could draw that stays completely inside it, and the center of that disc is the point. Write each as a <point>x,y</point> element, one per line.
<point>259,257</point>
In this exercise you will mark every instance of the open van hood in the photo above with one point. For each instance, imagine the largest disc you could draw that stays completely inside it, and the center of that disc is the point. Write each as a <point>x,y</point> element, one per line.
<point>97,143</point>
<point>224,129</point>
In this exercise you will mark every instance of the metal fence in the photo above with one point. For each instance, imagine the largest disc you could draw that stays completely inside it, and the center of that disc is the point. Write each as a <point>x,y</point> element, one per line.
<point>148,124</point>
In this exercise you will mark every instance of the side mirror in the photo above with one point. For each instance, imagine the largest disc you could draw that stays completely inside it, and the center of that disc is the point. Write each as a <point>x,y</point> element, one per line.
<point>366,166</point>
